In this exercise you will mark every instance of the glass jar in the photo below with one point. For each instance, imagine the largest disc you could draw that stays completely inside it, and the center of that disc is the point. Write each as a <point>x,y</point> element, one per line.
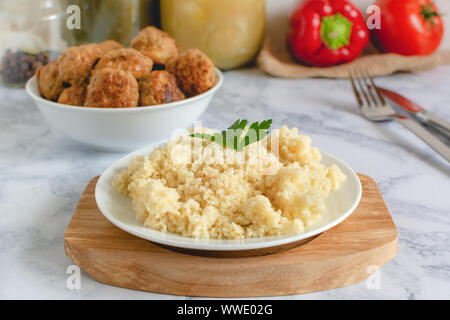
<point>230,32</point>
<point>116,20</point>
<point>30,36</point>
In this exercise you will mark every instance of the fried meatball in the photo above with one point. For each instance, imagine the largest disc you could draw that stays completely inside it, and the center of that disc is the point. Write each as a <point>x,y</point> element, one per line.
<point>194,72</point>
<point>49,80</point>
<point>74,95</point>
<point>77,62</point>
<point>160,87</point>
<point>126,59</point>
<point>112,88</point>
<point>109,45</point>
<point>156,44</point>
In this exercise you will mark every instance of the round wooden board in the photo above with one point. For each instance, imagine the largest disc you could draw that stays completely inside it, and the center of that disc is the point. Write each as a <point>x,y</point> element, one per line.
<point>338,257</point>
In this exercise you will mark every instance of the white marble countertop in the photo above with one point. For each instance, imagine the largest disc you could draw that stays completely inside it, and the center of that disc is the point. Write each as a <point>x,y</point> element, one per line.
<point>43,174</point>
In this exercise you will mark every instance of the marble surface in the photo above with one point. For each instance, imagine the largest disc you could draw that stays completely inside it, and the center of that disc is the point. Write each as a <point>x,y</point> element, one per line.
<point>43,174</point>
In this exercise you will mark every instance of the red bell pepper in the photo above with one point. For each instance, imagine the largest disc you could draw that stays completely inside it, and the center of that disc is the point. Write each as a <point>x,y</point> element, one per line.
<point>327,32</point>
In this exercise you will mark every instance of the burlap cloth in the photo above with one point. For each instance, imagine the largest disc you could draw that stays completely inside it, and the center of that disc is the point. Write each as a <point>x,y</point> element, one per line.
<point>279,63</point>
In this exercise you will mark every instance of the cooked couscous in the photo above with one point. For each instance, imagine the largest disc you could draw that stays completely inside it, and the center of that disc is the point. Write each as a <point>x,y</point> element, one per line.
<point>186,187</point>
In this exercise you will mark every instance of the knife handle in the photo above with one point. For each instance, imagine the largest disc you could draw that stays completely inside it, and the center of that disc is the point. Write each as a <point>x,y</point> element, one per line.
<point>436,144</point>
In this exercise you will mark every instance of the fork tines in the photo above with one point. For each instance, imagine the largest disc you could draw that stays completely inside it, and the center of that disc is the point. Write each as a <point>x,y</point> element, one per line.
<point>365,90</point>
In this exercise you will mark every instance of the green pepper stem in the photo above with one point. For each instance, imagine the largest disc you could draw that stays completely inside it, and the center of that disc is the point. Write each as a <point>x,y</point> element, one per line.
<point>335,31</point>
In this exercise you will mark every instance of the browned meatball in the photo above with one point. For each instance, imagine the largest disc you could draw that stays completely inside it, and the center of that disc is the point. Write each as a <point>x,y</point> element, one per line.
<point>126,59</point>
<point>76,63</point>
<point>49,80</point>
<point>160,87</point>
<point>112,88</point>
<point>74,95</point>
<point>194,72</point>
<point>156,44</point>
<point>109,45</point>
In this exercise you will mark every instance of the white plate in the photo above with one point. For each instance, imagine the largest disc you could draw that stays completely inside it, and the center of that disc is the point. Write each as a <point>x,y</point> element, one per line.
<point>118,209</point>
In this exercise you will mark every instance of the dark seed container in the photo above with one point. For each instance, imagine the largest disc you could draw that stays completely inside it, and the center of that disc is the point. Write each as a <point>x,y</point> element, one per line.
<point>31,33</point>
<point>19,66</point>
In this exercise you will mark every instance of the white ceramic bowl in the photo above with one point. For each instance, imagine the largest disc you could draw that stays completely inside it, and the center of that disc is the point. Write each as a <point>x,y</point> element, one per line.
<point>123,129</point>
<point>118,209</point>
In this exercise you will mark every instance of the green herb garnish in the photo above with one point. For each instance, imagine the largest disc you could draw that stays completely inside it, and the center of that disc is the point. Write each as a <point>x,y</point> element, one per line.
<point>238,135</point>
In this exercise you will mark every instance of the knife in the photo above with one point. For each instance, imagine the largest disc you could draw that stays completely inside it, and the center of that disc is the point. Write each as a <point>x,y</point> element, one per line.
<point>418,112</point>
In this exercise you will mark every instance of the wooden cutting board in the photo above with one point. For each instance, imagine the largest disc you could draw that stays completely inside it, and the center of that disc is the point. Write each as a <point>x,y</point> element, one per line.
<point>343,255</point>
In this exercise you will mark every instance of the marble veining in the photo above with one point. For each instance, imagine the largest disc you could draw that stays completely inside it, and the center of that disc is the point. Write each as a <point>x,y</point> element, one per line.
<point>42,176</point>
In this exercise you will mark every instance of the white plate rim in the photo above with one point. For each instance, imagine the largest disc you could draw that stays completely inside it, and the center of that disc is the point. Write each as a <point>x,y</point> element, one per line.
<point>232,245</point>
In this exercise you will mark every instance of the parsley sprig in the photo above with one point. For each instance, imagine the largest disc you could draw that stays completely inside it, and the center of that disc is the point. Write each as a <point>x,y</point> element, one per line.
<point>238,135</point>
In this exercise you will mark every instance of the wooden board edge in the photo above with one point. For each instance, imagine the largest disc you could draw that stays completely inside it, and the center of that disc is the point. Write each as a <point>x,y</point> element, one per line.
<point>378,257</point>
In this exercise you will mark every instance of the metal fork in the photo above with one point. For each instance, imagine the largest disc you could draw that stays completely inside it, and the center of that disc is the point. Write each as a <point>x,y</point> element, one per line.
<point>375,108</point>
